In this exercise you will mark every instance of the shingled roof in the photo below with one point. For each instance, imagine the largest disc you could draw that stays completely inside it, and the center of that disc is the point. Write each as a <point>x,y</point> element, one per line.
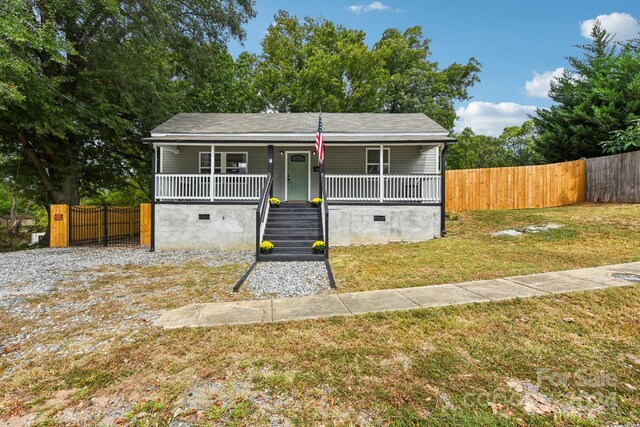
<point>298,127</point>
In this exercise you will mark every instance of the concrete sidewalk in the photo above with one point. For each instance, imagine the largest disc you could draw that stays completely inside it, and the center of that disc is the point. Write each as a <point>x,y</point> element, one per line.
<point>349,304</point>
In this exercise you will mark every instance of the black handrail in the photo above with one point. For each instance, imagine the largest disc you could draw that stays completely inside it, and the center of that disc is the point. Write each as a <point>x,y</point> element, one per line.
<point>262,210</point>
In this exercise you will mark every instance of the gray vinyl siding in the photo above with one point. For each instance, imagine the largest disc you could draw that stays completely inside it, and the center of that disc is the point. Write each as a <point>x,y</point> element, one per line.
<point>187,161</point>
<point>403,160</point>
<point>338,160</point>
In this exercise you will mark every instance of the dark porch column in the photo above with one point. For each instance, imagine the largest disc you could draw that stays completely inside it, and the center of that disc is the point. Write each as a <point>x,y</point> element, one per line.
<point>443,187</point>
<point>270,165</point>
<point>320,179</point>
<point>154,161</point>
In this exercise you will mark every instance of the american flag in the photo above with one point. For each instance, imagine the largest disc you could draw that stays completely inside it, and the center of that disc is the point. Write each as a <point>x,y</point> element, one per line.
<point>320,141</point>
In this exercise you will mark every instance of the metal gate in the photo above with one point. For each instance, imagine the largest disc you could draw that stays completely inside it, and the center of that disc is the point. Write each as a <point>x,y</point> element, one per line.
<point>104,226</point>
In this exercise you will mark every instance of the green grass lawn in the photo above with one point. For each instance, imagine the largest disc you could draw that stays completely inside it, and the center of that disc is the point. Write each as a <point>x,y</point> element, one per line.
<point>593,235</point>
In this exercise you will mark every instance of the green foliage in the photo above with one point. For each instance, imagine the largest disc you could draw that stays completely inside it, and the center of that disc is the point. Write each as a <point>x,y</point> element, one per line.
<point>317,65</point>
<point>6,196</point>
<point>84,81</point>
<point>514,147</point>
<point>130,195</point>
<point>623,140</point>
<point>599,97</point>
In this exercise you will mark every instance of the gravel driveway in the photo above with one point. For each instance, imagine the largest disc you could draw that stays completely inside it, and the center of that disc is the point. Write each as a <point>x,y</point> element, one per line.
<point>37,271</point>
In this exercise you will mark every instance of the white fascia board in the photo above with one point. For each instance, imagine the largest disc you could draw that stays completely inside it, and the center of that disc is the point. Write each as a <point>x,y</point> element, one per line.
<point>293,143</point>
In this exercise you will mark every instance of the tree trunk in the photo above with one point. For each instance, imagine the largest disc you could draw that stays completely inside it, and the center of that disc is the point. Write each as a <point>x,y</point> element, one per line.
<point>67,192</point>
<point>13,225</point>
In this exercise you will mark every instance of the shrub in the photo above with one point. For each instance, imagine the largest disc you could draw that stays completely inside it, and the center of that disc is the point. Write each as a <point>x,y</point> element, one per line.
<point>274,201</point>
<point>316,201</point>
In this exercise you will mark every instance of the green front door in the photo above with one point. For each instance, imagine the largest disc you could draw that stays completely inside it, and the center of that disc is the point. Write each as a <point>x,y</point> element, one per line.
<point>298,176</point>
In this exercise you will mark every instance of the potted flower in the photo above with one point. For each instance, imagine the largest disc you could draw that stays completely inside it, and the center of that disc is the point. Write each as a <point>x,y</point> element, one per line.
<point>316,201</point>
<point>266,247</point>
<point>318,247</point>
<point>274,202</point>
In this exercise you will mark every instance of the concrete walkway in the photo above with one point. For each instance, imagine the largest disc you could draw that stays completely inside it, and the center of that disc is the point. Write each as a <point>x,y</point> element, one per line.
<point>349,304</point>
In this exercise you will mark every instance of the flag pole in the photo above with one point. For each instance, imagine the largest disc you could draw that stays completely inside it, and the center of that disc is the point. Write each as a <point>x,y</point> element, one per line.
<point>320,156</point>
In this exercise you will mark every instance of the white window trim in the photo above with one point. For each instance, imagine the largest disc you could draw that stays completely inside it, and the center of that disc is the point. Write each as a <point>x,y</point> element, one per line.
<point>223,160</point>
<point>367,163</point>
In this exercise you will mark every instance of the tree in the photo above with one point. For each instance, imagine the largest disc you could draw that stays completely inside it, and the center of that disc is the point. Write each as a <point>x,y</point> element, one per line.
<point>519,142</point>
<point>318,65</point>
<point>416,85</point>
<point>84,81</point>
<point>473,151</point>
<point>514,147</point>
<point>599,96</point>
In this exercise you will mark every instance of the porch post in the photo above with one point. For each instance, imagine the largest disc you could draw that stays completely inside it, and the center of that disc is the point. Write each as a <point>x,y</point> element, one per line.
<point>213,169</point>
<point>154,159</point>
<point>270,166</point>
<point>381,174</point>
<point>321,178</point>
<point>443,163</point>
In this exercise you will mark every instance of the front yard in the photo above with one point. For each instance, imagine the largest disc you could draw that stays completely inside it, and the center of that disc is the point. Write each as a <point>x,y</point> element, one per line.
<point>592,235</point>
<point>83,350</point>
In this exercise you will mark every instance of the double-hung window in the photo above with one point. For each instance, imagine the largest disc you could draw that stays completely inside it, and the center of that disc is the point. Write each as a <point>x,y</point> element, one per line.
<point>205,162</point>
<point>373,160</point>
<point>236,163</point>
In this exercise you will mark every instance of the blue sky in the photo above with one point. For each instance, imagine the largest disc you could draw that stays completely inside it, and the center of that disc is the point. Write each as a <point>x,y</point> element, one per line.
<point>521,45</point>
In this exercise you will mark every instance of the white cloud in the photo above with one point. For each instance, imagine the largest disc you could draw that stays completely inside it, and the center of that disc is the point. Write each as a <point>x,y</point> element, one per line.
<point>487,118</point>
<point>540,84</point>
<point>622,25</point>
<point>375,6</point>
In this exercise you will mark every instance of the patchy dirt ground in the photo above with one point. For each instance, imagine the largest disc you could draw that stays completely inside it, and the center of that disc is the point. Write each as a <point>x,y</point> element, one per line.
<point>58,305</point>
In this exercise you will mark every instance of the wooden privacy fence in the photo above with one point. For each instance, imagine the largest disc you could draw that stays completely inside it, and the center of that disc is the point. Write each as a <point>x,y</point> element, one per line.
<point>97,225</point>
<point>614,179</point>
<point>515,187</point>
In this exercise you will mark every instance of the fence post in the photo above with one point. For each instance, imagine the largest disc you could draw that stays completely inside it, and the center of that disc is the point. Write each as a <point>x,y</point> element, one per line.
<point>59,226</point>
<point>145,224</point>
<point>105,227</point>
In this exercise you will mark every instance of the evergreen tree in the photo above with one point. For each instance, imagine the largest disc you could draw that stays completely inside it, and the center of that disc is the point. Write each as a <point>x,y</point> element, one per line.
<point>600,95</point>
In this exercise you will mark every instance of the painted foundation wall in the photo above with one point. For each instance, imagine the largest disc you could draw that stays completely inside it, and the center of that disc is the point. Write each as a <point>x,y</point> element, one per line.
<point>349,224</point>
<point>230,227</point>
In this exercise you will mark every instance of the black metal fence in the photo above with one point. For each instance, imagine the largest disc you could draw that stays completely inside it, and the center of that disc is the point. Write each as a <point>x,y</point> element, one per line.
<point>104,226</point>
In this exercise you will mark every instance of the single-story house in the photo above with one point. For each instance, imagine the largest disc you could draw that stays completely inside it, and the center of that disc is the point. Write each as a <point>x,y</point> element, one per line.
<point>381,180</point>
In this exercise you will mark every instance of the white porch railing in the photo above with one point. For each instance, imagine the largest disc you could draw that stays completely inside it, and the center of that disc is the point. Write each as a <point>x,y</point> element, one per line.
<point>395,188</point>
<point>209,187</point>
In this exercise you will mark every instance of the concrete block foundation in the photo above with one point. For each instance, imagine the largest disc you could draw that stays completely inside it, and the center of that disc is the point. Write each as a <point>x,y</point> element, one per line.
<point>233,227</point>
<point>366,224</point>
<point>200,226</point>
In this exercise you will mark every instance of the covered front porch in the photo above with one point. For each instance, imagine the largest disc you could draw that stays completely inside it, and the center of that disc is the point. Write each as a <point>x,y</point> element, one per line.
<point>364,174</point>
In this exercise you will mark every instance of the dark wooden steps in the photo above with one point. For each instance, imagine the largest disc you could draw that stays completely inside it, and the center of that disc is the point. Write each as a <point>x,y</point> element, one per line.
<point>292,228</point>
